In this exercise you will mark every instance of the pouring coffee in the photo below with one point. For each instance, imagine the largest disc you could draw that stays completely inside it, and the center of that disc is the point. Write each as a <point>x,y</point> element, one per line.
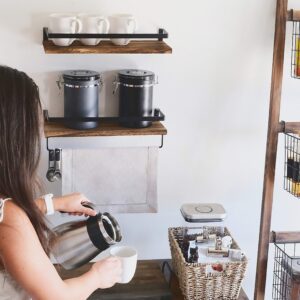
<point>78,242</point>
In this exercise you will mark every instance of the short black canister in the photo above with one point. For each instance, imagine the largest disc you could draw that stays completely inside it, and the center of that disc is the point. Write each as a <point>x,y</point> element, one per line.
<point>81,97</point>
<point>135,96</point>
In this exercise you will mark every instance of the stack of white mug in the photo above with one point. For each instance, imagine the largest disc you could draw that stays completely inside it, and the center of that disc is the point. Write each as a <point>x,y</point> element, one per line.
<point>91,23</point>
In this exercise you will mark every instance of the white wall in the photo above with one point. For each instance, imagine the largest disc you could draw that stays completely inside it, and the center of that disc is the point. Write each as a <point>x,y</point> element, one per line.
<point>214,90</point>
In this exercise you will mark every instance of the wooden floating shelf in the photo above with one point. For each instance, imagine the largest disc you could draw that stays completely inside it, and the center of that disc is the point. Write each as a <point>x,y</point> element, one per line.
<point>107,47</point>
<point>105,129</point>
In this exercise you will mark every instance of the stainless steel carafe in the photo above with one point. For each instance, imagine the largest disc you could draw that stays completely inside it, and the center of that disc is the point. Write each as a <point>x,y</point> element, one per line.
<point>78,242</point>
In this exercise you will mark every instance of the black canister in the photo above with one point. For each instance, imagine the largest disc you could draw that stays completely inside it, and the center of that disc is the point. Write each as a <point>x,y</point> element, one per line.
<point>81,97</point>
<point>135,96</point>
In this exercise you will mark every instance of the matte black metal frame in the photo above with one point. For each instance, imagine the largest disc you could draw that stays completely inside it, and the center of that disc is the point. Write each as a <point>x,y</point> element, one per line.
<point>295,53</point>
<point>284,278</point>
<point>157,116</point>
<point>48,149</point>
<point>292,164</point>
<point>162,34</point>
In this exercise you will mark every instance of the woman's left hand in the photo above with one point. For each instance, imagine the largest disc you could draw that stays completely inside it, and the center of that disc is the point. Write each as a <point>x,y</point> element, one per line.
<point>72,204</point>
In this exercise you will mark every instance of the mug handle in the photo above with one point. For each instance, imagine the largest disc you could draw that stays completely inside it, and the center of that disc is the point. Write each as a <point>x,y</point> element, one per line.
<point>102,25</point>
<point>134,21</point>
<point>78,29</point>
<point>129,22</point>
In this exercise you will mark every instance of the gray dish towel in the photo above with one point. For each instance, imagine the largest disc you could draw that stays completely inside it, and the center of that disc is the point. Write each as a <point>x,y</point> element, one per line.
<point>117,179</point>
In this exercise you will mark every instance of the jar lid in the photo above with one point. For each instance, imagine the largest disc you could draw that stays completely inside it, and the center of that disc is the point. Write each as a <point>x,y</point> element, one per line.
<point>136,74</point>
<point>203,212</point>
<point>81,75</point>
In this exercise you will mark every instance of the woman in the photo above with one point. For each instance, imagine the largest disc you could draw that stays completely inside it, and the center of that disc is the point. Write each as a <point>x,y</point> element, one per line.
<point>25,268</point>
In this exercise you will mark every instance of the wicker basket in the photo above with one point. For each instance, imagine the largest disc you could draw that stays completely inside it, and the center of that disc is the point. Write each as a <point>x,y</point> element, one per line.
<point>195,282</point>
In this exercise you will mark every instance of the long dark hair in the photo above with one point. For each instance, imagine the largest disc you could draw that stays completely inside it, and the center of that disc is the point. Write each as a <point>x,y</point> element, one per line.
<point>20,121</point>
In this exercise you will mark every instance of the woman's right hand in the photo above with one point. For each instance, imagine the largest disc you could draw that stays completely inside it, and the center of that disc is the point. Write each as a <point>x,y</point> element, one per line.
<point>108,272</point>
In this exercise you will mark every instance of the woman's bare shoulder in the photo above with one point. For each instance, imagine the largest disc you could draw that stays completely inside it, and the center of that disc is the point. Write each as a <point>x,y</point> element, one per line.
<point>13,215</point>
<point>15,227</point>
<point>16,232</point>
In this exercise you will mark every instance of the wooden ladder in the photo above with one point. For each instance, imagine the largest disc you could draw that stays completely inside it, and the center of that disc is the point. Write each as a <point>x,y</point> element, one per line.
<point>274,128</point>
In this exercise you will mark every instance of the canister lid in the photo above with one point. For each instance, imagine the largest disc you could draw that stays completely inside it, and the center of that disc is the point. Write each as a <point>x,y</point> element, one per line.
<point>81,75</point>
<point>203,212</point>
<point>136,74</point>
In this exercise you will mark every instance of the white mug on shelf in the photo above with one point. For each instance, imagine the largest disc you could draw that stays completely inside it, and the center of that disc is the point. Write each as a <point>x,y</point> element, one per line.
<point>64,23</point>
<point>128,256</point>
<point>93,23</point>
<point>122,23</point>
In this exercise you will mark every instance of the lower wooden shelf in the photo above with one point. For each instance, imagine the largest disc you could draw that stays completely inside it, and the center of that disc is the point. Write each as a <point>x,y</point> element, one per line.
<point>148,283</point>
<point>104,129</point>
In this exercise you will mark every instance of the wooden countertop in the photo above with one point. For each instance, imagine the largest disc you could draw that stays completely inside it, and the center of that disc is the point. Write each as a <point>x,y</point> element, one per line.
<point>148,283</point>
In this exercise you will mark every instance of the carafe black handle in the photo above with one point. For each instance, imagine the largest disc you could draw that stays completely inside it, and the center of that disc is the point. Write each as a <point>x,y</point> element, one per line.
<point>88,205</point>
<point>98,234</point>
<point>91,206</point>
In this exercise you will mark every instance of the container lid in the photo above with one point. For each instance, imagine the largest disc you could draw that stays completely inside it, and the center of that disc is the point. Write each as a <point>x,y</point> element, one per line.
<point>81,75</point>
<point>136,74</point>
<point>203,212</point>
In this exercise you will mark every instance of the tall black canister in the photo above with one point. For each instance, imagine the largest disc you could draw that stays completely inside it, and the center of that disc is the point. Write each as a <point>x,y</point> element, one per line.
<point>81,97</point>
<point>135,96</point>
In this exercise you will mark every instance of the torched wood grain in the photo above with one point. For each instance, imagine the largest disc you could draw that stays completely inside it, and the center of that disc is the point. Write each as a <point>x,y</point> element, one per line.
<point>104,129</point>
<point>271,149</point>
<point>292,127</point>
<point>106,47</point>
<point>293,15</point>
<point>285,237</point>
<point>148,283</point>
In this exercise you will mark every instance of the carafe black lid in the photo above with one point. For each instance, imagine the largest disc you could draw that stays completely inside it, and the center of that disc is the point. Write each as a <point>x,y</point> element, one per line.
<point>136,74</point>
<point>81,75</point>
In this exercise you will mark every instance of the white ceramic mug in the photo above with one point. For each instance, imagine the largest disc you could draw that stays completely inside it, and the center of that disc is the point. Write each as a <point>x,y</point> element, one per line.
<point>128,256</point>
<point>64,23</point>
<point>93,23</point>
<point>122,23</point>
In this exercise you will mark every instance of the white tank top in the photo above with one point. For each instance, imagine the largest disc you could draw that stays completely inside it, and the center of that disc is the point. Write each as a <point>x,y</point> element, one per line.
<point>9,289</point>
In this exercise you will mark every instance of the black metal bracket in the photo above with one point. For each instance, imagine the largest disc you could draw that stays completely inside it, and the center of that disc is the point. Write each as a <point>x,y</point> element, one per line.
<point>158,115</point>
<point>165,265</point>
<point>47,144</point>
<point>282,126</point>
<point>160,147</point>
<point>162,34</point>
<point>162,141</point>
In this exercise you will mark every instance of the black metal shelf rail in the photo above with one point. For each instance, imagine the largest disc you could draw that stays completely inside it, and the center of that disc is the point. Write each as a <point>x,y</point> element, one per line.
<point>157,116</point>
<point>162,34</point>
